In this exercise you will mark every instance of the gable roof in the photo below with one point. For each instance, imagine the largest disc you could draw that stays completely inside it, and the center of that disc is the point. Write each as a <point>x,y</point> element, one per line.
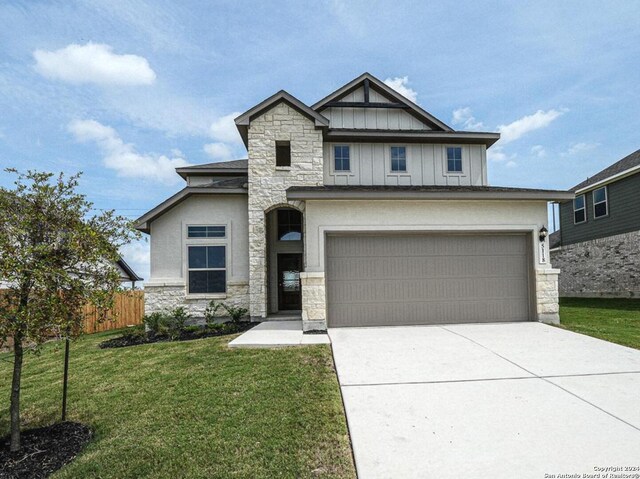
<point>629,164</point>
<point>369,80</point>
<point>233,186</point>
<point>242,121</point>
<point>219,168</point>
<point>130,274</point>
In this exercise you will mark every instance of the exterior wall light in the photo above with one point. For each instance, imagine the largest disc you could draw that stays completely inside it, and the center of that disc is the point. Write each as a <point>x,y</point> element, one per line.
<point>543,233</point>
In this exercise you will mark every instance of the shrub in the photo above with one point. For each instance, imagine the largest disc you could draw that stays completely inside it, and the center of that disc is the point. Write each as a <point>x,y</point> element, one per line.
<point>215,327</point>
<point>154,321</point>
<point>236,313</point>
<point>136,333</point>
<point>180,317</point>
<point>210,314</point>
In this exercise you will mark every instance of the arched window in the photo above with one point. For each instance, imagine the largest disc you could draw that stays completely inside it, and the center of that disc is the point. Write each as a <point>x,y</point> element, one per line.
<point>289,225</point>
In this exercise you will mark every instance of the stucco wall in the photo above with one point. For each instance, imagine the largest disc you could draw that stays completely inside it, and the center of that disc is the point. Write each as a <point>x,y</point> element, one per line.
<point>604,267</point>
<point>324,216</point>
<point>169,242</point>
<point>426,165</point>
<point>429,216</point>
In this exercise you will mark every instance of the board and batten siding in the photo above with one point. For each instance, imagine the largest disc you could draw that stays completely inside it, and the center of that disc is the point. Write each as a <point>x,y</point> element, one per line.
<point>426,165</point>
<point>624,213</point>
<point>371,118</point>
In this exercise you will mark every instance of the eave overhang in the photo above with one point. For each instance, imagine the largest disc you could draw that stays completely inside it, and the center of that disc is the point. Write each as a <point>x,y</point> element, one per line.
<point>186,171</point>
<point>143,223</point>
<point>425,193</point>
<point>608,180</point>
<point>412,136</point>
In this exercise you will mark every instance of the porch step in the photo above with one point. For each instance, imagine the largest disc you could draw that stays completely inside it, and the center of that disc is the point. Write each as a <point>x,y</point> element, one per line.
<point>284,316</point>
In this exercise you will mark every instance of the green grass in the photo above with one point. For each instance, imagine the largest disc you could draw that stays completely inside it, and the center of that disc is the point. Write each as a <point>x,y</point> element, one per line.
<point>615,320</point>
<point>193,409</point>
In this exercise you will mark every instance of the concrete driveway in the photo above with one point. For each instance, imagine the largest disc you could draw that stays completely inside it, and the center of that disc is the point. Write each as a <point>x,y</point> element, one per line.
<point>514,400</point>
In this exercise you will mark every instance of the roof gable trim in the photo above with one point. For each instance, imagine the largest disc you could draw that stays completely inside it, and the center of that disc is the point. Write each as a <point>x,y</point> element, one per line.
<point>399,101</point>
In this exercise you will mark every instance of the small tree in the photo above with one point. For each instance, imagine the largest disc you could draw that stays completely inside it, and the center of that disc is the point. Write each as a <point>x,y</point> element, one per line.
<point>55,257</point>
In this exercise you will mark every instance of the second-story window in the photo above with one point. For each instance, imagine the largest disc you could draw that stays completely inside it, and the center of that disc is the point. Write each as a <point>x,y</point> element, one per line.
<point>579,210</point>
<point>600,203</point>
<point>283,153</point>
<point>398,158</point>
<point>454,159</point>
<point>342,161</point>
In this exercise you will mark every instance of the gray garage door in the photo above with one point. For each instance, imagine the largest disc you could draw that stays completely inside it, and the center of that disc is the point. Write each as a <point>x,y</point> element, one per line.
<point>381,280</point>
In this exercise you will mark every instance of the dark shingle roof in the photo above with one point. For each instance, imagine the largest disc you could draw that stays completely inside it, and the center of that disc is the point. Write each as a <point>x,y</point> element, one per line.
<point>618,167</point>
<point>554,239</point>
<point>222,164</point>
<point>420,188</point>
<point>432,192</point>
<point>236,182</point>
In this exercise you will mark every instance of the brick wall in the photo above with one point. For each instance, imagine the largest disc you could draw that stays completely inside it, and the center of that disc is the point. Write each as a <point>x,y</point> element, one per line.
<point>607,267</point>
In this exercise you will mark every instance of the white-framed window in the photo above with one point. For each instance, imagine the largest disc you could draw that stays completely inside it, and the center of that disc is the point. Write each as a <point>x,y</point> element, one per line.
<point>207,231</point>
<point>600,202</point>
<point>579,210</point>
<point>341,158</point>
<point>398,158</point>
<point>454,159</point>
<point>207,269</point>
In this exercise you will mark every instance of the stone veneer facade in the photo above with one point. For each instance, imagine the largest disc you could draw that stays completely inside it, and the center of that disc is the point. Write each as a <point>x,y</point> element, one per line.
<point>604,267</point>
<point>548,309</point>
<point>314,308</point>
<point>164,298</point>
<point>268,184</point>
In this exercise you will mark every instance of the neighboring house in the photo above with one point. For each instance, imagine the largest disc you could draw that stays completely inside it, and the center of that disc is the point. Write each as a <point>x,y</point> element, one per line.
<point>362,209</point>
<point>127,275</point>
<point>598,244</point>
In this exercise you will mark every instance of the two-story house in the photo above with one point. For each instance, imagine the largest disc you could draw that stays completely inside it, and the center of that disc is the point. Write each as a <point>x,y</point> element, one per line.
<point>598,244</point>
<point>362,209</point>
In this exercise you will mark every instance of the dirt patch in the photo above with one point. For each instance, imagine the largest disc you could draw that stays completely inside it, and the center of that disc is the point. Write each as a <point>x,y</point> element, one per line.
<point>44,450</point>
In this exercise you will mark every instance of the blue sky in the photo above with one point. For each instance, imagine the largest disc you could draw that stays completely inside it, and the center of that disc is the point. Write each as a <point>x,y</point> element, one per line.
<point>127,90</point>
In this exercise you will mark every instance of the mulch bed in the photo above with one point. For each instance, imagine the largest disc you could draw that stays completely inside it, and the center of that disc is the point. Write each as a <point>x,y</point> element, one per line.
<point>44,450</point>
<point>188,335</point>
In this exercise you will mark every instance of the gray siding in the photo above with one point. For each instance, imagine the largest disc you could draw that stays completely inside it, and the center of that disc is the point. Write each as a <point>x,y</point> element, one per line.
<point>624,213</point>
<point>426,165</point>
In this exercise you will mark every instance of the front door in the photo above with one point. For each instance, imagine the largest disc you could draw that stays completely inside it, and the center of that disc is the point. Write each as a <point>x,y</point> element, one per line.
<point>289,294</point>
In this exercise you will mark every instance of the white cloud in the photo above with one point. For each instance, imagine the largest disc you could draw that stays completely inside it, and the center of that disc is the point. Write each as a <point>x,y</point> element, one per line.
<point>497,154</point>
<point>399,84</point>
<point>93,63</point>
<point>577,148</point>
<point>511,164</point>
<point>218,151</point>
<point>539,151</point>
<point>464,117</point>
<point>123,157</point>
<point>224,129</point>
<point>526,124</point>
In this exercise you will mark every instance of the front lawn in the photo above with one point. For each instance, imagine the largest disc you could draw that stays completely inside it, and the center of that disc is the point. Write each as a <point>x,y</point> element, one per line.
<point>192,409</point>
<point>615,320</point>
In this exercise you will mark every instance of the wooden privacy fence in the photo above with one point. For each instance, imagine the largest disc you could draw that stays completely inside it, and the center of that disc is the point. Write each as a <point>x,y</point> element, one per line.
<point>128,308</point>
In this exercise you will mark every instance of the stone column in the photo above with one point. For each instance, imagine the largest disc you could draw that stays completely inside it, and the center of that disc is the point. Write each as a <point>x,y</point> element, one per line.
<point>268,183</point>
<point>547,305</point>
<point>314,307</point>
